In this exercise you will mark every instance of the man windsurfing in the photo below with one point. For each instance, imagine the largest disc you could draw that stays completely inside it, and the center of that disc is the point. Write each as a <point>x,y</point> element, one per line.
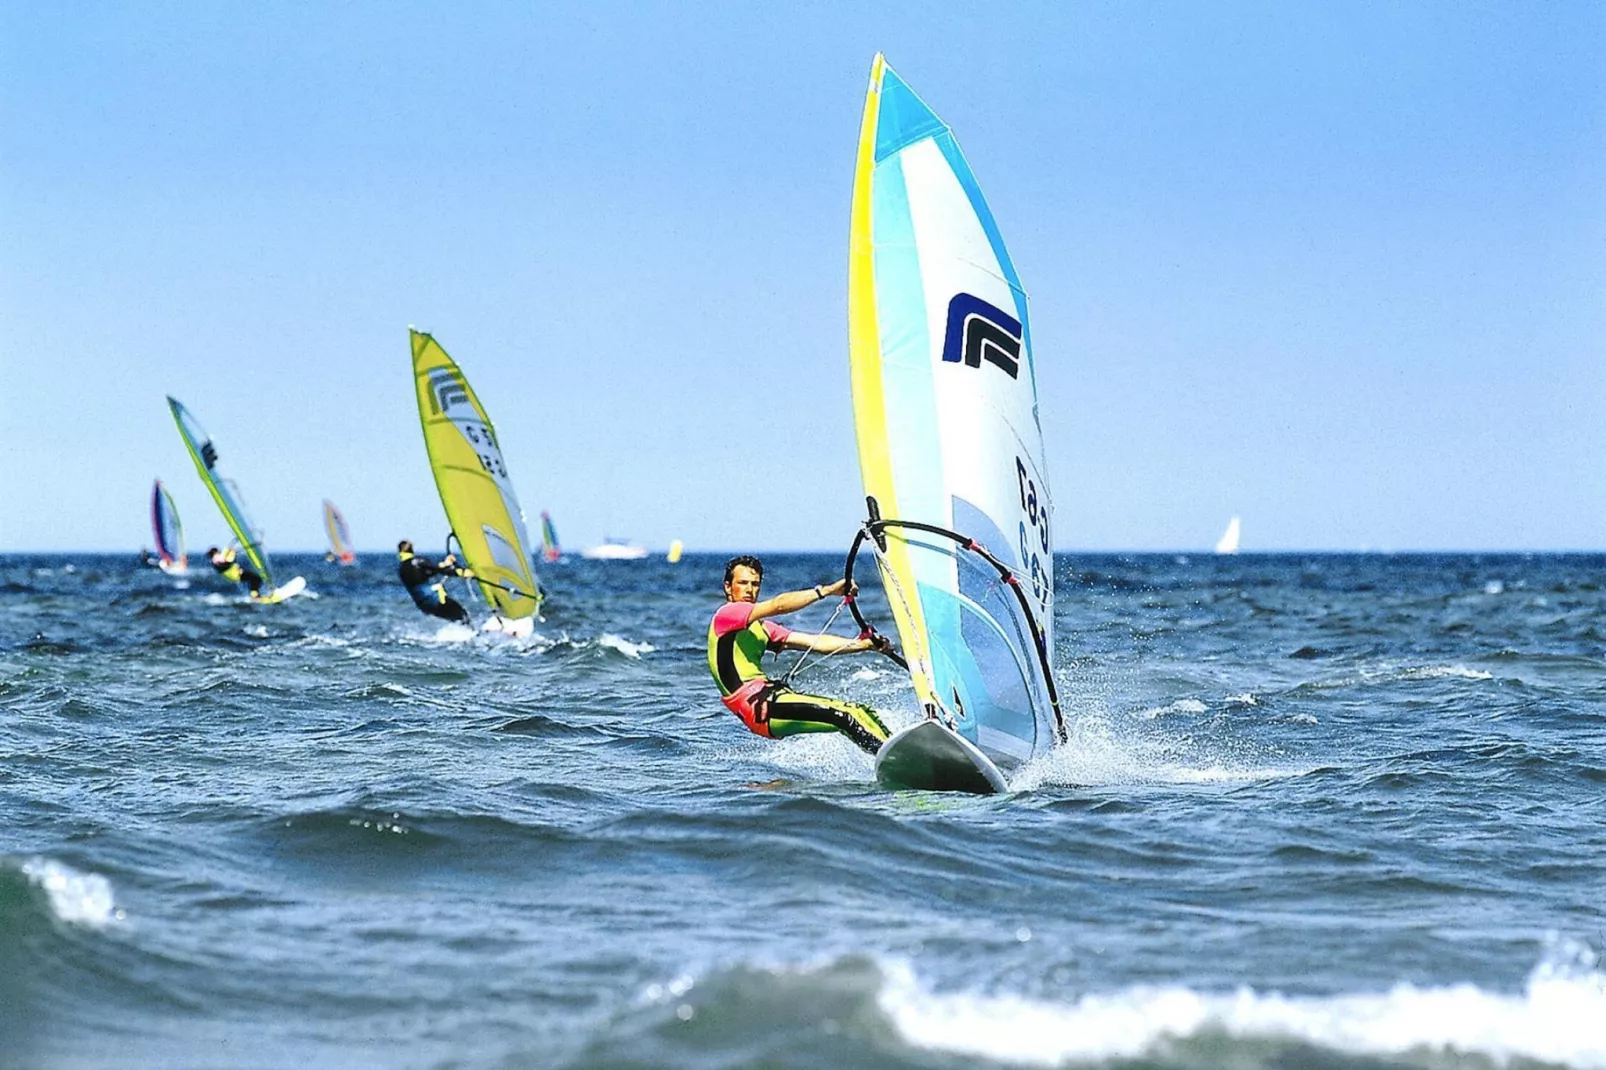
<point>425,581</point>
<point>742,631</point>
<point>232,569</point>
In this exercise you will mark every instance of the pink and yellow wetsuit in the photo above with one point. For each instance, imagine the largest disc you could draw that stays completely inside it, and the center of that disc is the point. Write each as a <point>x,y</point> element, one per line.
<point>736,643</point>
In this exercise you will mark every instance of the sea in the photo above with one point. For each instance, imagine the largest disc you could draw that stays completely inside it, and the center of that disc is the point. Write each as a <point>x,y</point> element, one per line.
<point>1316,811</point>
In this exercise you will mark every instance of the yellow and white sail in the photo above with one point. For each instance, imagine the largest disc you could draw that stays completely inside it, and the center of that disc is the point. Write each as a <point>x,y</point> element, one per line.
<point>472,478</point>
<point>945,407</point>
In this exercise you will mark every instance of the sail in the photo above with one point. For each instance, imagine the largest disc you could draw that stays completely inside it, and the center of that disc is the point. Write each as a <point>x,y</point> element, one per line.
<point>473,482</point>
<point>166,529</point>
<point>339,533</point>
<point>222,489</point>
<point>550,550</point>
<point>945,408</point>
<point>1228,543</point>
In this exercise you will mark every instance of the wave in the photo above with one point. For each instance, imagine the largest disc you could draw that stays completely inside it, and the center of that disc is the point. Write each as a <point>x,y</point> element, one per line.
<point>1555,1020</point>
<point>71,896</point>
<point>861,1010</point>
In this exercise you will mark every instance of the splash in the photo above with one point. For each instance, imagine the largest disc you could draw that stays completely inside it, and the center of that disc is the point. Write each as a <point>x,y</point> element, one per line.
<point>1181,705</point>
<point>1097,755</point>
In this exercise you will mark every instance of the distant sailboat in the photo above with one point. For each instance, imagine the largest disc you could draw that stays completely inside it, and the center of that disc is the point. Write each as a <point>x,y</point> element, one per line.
<point>1228,543</point>
<point>676,548</point>
<point>339,534</point>
<point>614,550</point>
<point>167,531</point>
<point>550,550</point>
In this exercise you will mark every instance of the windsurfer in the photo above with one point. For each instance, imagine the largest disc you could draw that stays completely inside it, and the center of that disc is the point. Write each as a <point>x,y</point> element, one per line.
<point>229,567</point>
<point>740,634</point>
<point>425,582</point>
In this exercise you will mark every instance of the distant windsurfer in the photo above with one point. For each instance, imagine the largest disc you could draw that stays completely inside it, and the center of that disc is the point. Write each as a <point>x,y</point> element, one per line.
<point>149,560</point>
<point>229,567</point>
<point>740,634</point>
<point>425,582</point>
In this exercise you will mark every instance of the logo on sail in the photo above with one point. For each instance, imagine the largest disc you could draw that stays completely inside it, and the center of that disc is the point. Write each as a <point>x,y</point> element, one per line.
<point>445,390</point>
<point>978,331</point>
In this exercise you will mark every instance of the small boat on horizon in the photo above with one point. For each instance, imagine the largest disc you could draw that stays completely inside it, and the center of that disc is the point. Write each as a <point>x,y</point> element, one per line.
<point>613,549</point>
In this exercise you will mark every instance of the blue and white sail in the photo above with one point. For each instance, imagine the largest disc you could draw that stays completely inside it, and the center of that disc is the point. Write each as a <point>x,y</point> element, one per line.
<point>945,406</point>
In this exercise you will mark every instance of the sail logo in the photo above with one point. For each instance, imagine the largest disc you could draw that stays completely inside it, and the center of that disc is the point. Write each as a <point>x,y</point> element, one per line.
<point>445,390</point>
<point>208,454</point>
<point>978,331</point>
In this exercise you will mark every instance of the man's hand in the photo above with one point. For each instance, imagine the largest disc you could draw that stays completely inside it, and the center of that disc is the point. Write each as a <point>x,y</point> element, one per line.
<point>880,644</point>
<point>838,588</point>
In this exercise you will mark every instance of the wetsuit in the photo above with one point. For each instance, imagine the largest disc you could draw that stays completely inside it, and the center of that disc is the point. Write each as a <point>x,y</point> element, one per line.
<point>231,569</point>
<point>424,582</point>
<point>736,642</point>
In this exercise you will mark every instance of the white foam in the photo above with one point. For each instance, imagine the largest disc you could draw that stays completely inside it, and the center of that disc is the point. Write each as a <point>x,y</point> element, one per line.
<point>453,633</point>
<point>1244,700</point>
<point>624,646</point>
<point>257,631</point>
<point>1555,1020</point>
<point>215,599</point>
<point>75,898</point>
<point>1493,587</point>
<point>1435,672</point>
<point>1181,705</point>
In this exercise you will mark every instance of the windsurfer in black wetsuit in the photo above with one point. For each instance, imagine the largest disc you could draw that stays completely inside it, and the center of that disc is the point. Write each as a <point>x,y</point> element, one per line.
<point>229,567</point>
<point>425,582</point>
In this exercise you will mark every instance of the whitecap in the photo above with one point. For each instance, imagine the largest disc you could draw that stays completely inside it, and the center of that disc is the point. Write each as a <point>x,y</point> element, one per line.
<point>75,898</point>
<point>1435,672</point>
<point>624,646</point>
<point>1493,587</point>
<point>1554,1020</point>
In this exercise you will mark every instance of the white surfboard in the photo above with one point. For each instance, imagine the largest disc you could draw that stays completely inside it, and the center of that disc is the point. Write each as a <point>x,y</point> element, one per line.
<point>930,756</point>
<point>288,589</point>
<point>518,628</point>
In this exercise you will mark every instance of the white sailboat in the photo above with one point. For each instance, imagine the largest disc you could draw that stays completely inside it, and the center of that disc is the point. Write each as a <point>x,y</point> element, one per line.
<point>1228,543</point>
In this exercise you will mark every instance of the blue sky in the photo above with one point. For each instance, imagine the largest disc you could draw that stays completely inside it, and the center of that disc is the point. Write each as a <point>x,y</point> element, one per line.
<point>1338,268</point>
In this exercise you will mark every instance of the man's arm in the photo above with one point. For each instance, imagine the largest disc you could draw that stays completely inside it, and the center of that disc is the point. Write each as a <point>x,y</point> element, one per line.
<point>832,644</point>
<point>792,601</point>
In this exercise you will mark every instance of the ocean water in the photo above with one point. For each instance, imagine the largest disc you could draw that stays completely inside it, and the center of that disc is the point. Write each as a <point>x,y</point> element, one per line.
<point>1317,811</point>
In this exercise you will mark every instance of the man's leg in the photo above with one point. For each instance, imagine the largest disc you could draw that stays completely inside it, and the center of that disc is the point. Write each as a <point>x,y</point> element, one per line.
<point>791,713</point>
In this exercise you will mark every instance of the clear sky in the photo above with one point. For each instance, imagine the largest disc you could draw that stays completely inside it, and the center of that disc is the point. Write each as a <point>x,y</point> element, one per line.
<point>1338,268</point>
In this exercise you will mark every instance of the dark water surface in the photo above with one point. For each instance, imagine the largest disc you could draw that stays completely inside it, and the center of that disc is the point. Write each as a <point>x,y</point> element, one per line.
<point>1318,811</point>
